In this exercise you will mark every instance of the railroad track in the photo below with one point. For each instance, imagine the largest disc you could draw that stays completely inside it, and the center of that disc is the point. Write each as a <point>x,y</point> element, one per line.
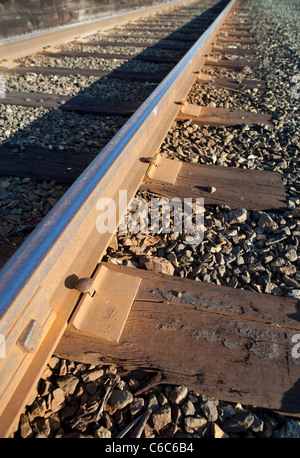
<point>58,295</point>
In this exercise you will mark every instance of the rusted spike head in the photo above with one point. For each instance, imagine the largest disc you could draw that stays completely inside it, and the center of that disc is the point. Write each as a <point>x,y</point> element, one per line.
<point>152,160</point>
<point>84,285</point>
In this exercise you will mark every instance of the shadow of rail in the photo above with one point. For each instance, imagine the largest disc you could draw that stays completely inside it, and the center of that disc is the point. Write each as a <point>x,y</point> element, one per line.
<point>60,144</point>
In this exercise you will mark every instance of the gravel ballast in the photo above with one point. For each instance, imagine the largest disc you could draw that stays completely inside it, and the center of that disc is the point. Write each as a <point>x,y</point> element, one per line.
<point>23,127</point>
<point>251,250</point>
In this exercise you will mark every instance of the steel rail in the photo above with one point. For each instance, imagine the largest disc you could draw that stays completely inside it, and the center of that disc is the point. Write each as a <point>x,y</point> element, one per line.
<point>23,45</point>
<point>67,242</point>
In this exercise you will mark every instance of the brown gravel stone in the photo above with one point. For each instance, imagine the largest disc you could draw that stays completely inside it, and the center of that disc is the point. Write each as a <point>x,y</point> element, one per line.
<point>38,408</point>
<point>67,383</point>
<point>25,427</point>
<point>92,375</point>
<point>217,432</point>
<point>119,399</point>
<point>57,400</point>
<point>194,424</point>
<point>162,417</point>
<point>178,394</point>
<point>156,264</point>
<point>103,433</point>
<point>42,427</point>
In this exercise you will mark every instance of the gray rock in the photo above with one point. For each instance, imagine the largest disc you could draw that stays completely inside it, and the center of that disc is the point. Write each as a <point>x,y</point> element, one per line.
<point>133,383</point>
<point>92,376</point>
<point>187,408</point>
<point>38,407</point>
<point>67,383</point>
<point>136,406</point>
<point>156,264</point>
<point>210,410</point>
<point>169,431</point>
<point>290,429</point>
<point>162,399</point>
<point>296,212</point>
<point>103,433</point>
<point>162,417</point>
<point>211,189</point>
<point>217,432</point>
<point>266,222</point>
<point>272,288</point>
<point>57,400</point>
<point>178,394</point>
<point>294,293</point>
<point>257,425</point>
<point>237,216</point>
<point>25,428</point>
<point>54,362</point>
<point>291,255</point>
<point>238,423</point>
<point>194,423</point>
<point>54,421</point>
<point>42,426</point>
<point>67,412</point>
<point>120,399</point>
<point>291,282</point>
<point>228,411</point>
<point>177,414</point>
<point>45,387</point>
<point>63,368</point>
<point>153,403</point>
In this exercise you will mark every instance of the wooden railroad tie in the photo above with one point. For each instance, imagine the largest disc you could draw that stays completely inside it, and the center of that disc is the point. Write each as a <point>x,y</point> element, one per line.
<point>241,41</point>
<point>198,114</point>
<point>132,76</point>
<point>228,83</point>
<point>237,28</point>
<point>211,116</point>
<point>189,29</point>
<point>64,167</point>
<point>231,344</point>
<point>130,44</point>
<point>78,103</point>
<point>232,64</point>
<point>172,36</point>
<point>250,189</point>
<point>239,34</point>
<point>84,104</point>
<point>232,50</point>
<point>91,55</point>
<point>235,187</point>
